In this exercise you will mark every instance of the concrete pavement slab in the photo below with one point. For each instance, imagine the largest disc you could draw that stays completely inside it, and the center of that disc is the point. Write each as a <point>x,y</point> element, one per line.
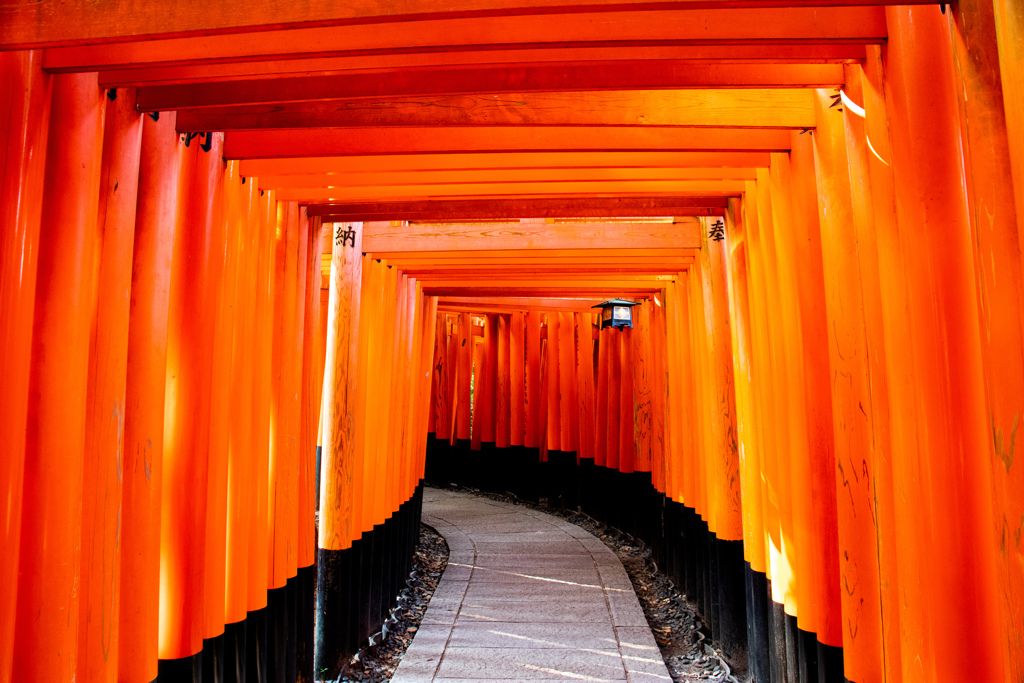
<point>526,596</point>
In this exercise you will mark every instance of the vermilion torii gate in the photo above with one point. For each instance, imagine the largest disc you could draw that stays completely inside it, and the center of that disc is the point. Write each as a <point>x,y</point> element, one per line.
<point>832,390</point>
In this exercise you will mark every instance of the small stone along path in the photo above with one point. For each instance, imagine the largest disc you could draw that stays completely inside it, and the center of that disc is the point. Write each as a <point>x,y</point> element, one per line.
<point>526,596</point>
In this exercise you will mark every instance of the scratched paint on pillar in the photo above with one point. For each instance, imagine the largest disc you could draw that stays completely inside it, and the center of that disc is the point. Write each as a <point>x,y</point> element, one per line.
<point>442,398</point>
<point>339,456</point>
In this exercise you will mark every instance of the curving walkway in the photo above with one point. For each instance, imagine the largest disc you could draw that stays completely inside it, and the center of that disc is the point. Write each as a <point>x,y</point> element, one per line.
<point>526,596</point>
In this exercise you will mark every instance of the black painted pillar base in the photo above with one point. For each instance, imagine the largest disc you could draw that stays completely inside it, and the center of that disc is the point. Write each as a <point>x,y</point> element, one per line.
<point>732,612</point>
<point>562,480</point>
<point>586,485</point>
<point>256,646</point>
<point>281,633</point>
<point>235,640</point>
<point>484,462</point>
<point>807,655</point>
<point>531,473</point>
<point>777,659</point>
<point>830,664</point>
<point>359,603</point>
<point>691,556</point>
<point>305,614</point>
<point>792,650</point>
<point>213,659</point>
<point>757,625</point>
<point>319,453</point>
<point>355,591</point>
<point>712,599</point>
<point>462,462</point>
<point>182,670</point>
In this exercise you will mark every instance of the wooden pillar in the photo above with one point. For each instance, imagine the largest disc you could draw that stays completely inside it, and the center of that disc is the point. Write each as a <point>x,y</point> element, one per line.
<point>799,249</point>
<point>567,383</point>
<point>951,467</point>
<point>998,263</point>
<point>762,376</point>
<point>748,440</point>
<point>885,294</point>
<point>517,379</point>
<point>485,382</point>
<point>673,399</point>
<point>442,397</point>
<point>145,384</point>
<point>241,475</point>
<point>722,452</point>
<point>779,510</point>
<point>611,338</point>
<point>221,396</point>
<point>259,536</point>
<point>856,439</point>
<point>1009,28</point>
<point>47,621</point>
<point>465,371</point>
<point>659,465</point>
<point>340,457</point>
<point>311,392</point>
<point>25,89</point>
<point>554,370</point>
<point>585,382</point>
<point>533,436</point>
<point>641,370</point>
<point>384,370</point>
<point>282,448</point>
<point>627,428</point>
<point>502,407</point>
<point>195,280</point>
<point>426,344</point>
<point>701,383</point>
<point>480,381</point>
<point>452,356</point>
<point>600,426</point>
<point>369,321</point>
<point>100,573</point>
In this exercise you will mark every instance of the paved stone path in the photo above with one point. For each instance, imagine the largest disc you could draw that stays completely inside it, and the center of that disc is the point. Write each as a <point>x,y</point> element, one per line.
<point>526,596</point>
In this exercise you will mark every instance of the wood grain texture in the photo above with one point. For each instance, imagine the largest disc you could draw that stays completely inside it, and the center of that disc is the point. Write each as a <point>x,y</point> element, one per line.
<point>356,178</point>
<point>318,142</point>
<point>806,63</point>
<point>669,26</point>
<point>442,397</point>
<point>370,165</point>
<point>744,107</point>
<point>381,236</point>
<point>479,90</point>
<point>516,208</point>
<point>337,528</point>
<point>691,188</point>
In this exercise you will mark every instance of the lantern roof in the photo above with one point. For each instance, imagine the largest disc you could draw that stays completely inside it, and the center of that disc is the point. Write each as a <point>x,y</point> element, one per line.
<point>616,302</point>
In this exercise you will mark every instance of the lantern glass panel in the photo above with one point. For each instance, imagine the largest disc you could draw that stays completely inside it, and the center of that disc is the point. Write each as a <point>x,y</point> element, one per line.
<point>621,313</point>
<point>606,314</point>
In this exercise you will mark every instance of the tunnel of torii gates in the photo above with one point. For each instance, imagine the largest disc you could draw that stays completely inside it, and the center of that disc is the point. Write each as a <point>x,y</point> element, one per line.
<point>380,266</point>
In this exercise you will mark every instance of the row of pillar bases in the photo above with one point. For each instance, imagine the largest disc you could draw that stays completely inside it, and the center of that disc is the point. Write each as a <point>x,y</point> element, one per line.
<point>272,644</point>
<point>359,586</point>
<point>314,624</point>
<point>754,632</point>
